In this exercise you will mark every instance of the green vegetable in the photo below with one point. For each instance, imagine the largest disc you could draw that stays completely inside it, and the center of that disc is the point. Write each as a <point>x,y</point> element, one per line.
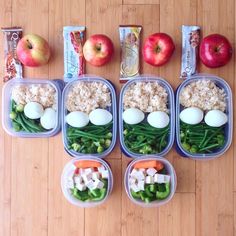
<point>90,139</point>
<point>165,194</point>
<point>22,123</point>
<point>135,195</point>
<point>201,138</point>
<point>142,138</point>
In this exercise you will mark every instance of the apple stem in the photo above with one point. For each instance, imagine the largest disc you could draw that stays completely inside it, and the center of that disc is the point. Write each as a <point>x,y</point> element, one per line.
<point>29,44</point>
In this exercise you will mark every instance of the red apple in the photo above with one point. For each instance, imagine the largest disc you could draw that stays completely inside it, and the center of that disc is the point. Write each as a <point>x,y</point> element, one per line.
<point>98,50</point>
<point>32,50</point>
<point>215,50</point>
<point>157,49</point>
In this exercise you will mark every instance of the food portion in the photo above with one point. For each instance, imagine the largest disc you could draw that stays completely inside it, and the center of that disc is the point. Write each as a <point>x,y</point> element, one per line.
<point>146,118</point>
<point>88,181</point>
<point>33,50</point>
<point>158,49</point>
<point>89,120</point>
<point>12,65</point>
<point>130,43</point>
<point>149,181</point>
<point>74,63</point>
<point>215,51</point>
<point>98,49</point>
<point>202,117</point>
<point>33,108</point>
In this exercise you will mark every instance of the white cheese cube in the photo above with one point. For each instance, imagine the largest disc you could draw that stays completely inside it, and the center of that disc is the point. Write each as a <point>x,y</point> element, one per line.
<point>142,169</point>
<point>132,181</point>
<point>140,175</point>
<point>81,171</point>
<point>101,169</point>
<point>90,185</point>
<point>149,179</point>
<point>78,179</point>
<point>151,171</point>
<point>133,173</point>
<point>134,187</point>
<point>105,174</point>
<point>88,171</point>
<point>141,184</point>
<point>87,177</point>
<point>95,175</point>
<point>80,186</point>
<point>98,184</point>
<point>158,178</point>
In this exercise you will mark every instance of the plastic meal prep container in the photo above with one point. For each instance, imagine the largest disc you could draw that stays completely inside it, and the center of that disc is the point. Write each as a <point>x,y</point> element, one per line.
<point>6,107</point>
<point>112,109</point>
<point>68,171</point>
<point>228,130</point>
<point>170,106</point>
<point>170,171</point>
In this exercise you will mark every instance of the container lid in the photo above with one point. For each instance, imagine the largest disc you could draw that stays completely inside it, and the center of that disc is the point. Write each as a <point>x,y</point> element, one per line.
<point>6,106</point>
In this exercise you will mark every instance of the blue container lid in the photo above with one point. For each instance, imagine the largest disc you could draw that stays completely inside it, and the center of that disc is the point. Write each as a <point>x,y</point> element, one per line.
<point>221,83</point>
<point>112,109</point>
<point>6,106</point>
<point>164,84</point>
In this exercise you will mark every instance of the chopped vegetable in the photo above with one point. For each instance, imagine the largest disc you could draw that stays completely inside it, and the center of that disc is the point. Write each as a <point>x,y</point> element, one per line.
<point>144,139</point>
<point>148,164</point>
<point>201,138</point>
<point>87,164</point>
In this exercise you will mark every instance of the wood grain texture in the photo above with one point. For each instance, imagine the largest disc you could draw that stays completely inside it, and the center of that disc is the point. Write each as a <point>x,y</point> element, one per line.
<point>31,201</point>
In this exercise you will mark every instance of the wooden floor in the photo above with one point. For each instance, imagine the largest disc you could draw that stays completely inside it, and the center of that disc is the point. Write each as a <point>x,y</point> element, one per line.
<point>31,201</point>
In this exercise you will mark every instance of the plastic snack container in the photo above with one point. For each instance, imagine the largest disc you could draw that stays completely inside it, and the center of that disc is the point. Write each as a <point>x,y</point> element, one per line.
<point>6,107</point>
<point>112,109</point>
<point>170,171</point>
<point>228,126</point>
<point>163,83</point>
<point>69,169</point>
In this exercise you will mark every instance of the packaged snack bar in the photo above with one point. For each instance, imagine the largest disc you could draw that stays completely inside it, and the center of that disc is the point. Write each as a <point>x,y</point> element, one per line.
<point>12,66</point>
<point>130,43</point>
<point>74,64</point>
<point>190,45</point>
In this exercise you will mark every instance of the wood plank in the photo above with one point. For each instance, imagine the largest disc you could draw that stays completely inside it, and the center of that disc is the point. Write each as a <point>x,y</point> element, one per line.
<point>106,219</point>
<point>177,218</point>
<point>103,17</point>
<point>29,167</point>
<point>59,209</point>
<point>172,17</point>
<point>5,140</point>
<point>142,2</point>
<point>137,220</point>
<point>234,214</point>
<point>214,196</point>
<point>146,219</point>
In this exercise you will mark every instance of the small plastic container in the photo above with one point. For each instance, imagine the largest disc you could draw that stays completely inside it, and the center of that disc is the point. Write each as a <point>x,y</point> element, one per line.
<point>221,83</point>
<point>6,107</point>
<point>69,170</point>
<point>166,85</point>
<point>170,171</point>
<point>112,109</point>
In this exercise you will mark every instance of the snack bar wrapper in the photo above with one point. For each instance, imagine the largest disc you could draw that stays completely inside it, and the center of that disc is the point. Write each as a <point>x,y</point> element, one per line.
<point>130,44</point>
<point>12,65</point>
<point>190,45</point>
<point>74,64</point>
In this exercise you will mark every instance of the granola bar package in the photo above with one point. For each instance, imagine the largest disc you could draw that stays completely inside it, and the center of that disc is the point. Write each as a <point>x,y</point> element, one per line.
<point>74,63</point>
<point>130,44</point>
<point>12,65</point>
<point>190,45</point>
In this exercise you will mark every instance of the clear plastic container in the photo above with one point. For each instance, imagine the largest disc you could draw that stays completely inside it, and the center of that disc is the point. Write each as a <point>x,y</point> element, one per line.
<point>170,171</point>
<point>6,107</point>
<point>228,126</point>
<point>69,170</point>
<point>166,85</point>
<point>112,109</point>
